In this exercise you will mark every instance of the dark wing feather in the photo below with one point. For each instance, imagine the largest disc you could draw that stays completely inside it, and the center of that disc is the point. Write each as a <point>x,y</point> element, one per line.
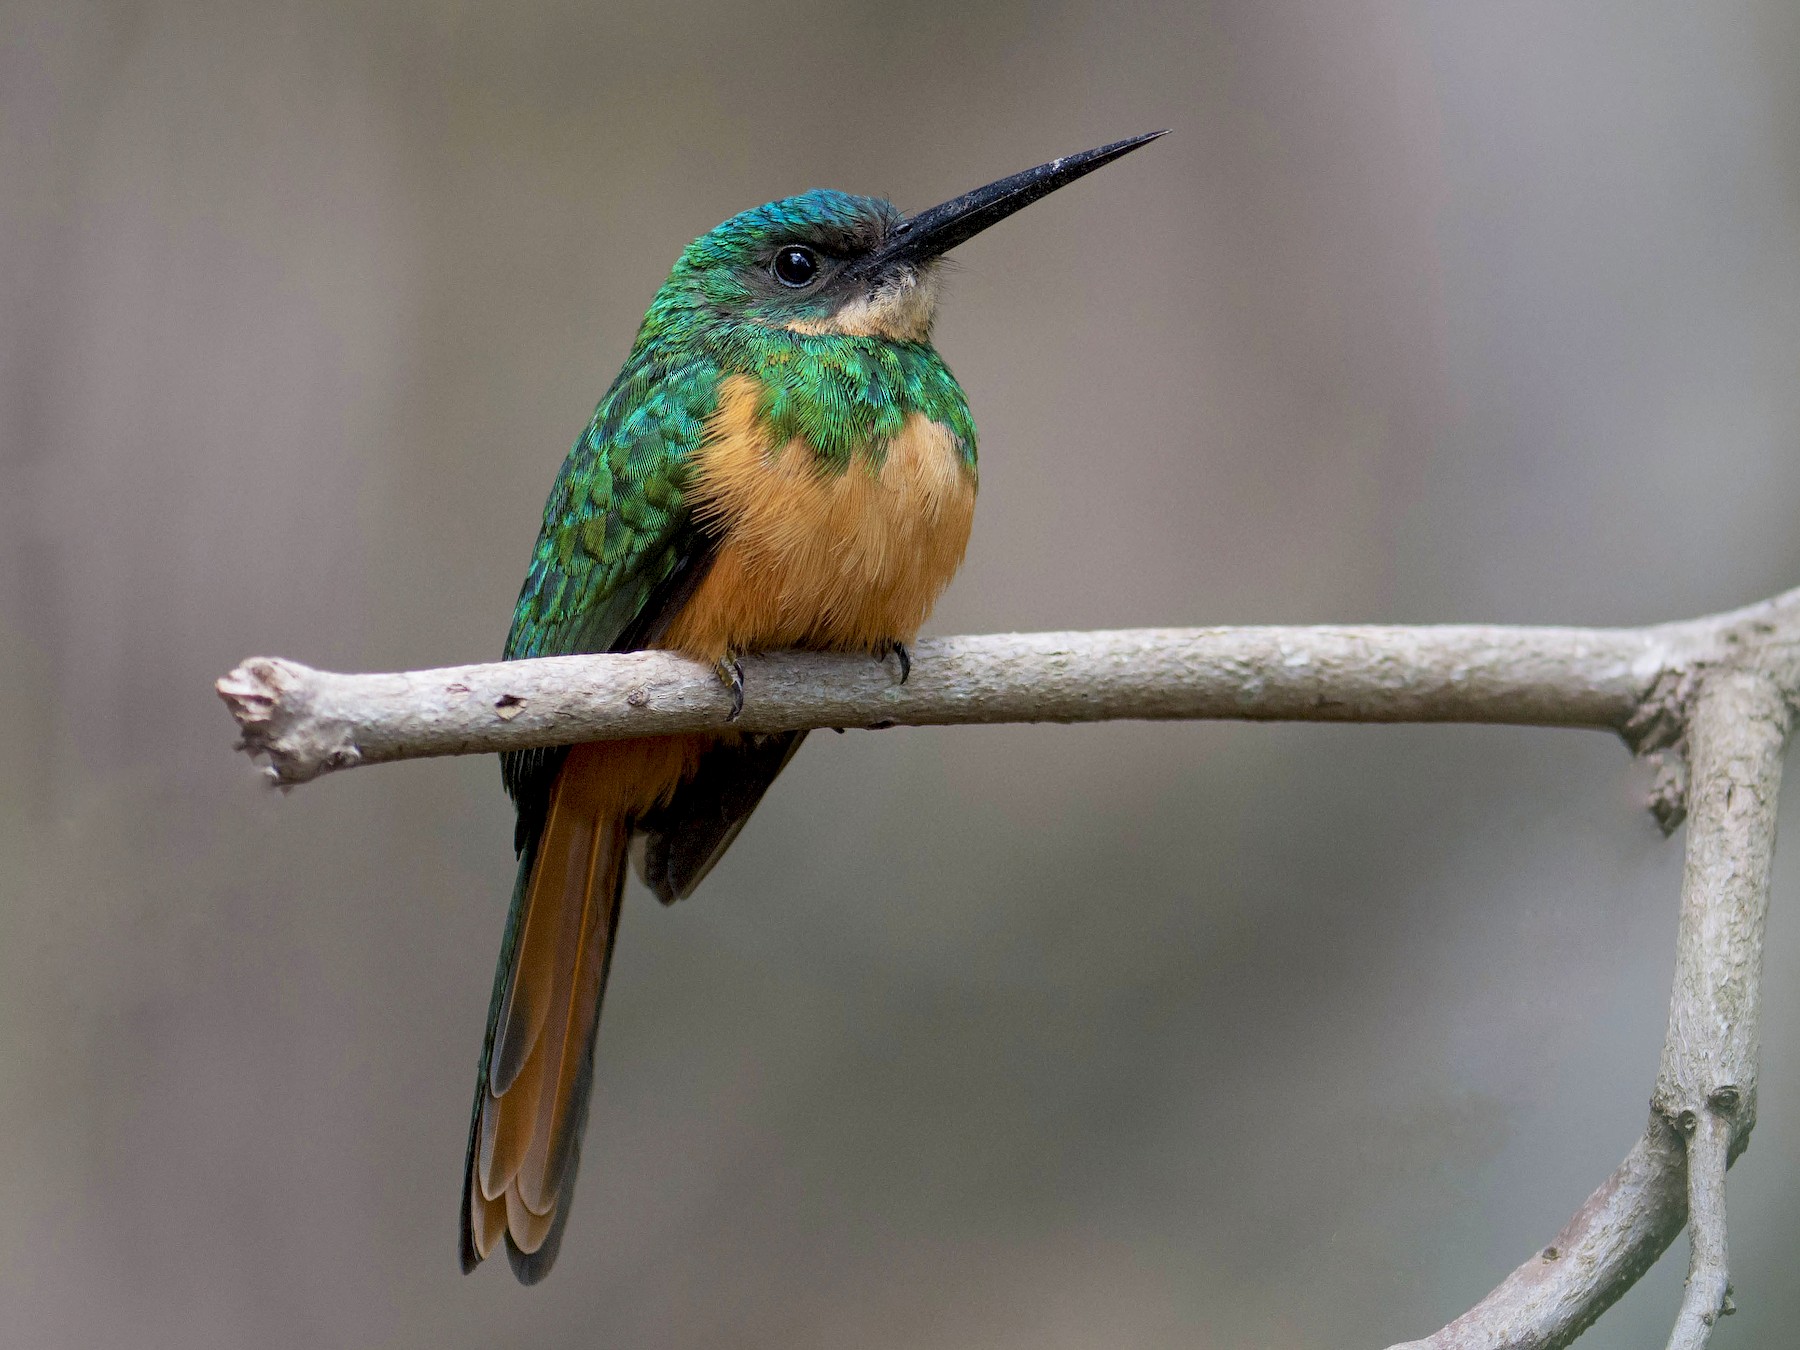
<point>676,845</point>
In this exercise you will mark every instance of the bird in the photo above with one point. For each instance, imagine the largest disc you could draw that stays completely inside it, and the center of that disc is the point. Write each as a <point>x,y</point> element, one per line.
<point>784,460</point>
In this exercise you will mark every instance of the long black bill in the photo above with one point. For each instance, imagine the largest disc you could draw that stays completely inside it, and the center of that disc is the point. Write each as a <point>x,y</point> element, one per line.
<point>942,228</point>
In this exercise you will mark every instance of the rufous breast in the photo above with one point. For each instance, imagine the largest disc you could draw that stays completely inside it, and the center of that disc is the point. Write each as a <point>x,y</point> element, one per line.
<point>812,556</point>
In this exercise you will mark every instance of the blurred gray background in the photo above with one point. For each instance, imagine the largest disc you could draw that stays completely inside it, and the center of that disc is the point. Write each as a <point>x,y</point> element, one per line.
<point>1121,1036</point>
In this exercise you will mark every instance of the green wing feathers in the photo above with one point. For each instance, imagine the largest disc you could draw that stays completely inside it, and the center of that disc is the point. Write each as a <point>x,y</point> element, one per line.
<point>617,531</point>
<point>617,521</point>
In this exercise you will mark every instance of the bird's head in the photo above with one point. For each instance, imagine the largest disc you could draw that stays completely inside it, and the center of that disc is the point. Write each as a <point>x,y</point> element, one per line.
<point>830,262</point>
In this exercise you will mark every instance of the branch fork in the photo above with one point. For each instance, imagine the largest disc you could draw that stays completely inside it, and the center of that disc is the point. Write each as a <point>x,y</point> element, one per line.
<point>1710,703</point>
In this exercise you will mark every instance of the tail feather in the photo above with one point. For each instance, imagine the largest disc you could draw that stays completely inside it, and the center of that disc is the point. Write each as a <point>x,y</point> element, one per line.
<point>553,916</point>
<point>569,1057</point>
<point>565,886</point>
<point>505,1136</point>
<point>530,1267</point>
<point>484,1218</point>
<point>537,1064</point>
<point>537,1061</point>
<point>484,1221</point>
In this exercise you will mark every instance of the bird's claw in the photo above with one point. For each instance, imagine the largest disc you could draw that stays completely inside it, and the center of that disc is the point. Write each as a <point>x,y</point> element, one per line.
<point>731,674</point>
<point>898,649</point>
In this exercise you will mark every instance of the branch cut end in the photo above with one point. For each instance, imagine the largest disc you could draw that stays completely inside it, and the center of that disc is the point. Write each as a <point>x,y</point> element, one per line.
<point>283,724</point>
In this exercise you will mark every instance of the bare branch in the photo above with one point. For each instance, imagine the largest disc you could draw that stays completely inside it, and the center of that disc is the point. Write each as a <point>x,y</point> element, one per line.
<point>1711,700</point>
<point>1616,1235</point>
<point>1708,1296</point>
<point>1707,1082</point>
<point>1705,1100</point>
<point>1736,737</point>
<point>309,722</point>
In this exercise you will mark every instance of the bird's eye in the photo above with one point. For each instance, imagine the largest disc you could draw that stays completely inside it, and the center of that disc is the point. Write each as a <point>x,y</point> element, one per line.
<point>795,266</point>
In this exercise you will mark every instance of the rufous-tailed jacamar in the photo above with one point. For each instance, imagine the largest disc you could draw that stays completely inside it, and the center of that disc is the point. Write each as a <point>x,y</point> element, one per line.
<point>784,461</point>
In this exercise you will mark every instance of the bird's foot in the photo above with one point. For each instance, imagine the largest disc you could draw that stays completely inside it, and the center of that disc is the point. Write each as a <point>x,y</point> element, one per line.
<point>730,671</point>
<point>898,649</point>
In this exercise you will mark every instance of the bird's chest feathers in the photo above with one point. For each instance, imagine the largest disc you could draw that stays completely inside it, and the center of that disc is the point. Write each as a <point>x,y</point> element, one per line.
<point>815,556</point>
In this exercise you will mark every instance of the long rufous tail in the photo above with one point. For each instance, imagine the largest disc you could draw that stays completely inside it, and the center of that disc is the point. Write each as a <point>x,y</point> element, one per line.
<point>537,1062</point>
<point>684,798</point>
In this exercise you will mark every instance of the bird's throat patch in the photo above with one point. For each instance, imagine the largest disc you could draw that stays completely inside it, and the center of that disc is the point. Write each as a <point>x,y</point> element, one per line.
<point>900,310</point>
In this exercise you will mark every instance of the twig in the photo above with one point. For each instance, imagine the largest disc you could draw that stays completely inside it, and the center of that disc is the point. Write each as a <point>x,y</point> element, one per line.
<point>1711,699</point>
<point>1614,1237</point>
<point>1708,1295</point>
